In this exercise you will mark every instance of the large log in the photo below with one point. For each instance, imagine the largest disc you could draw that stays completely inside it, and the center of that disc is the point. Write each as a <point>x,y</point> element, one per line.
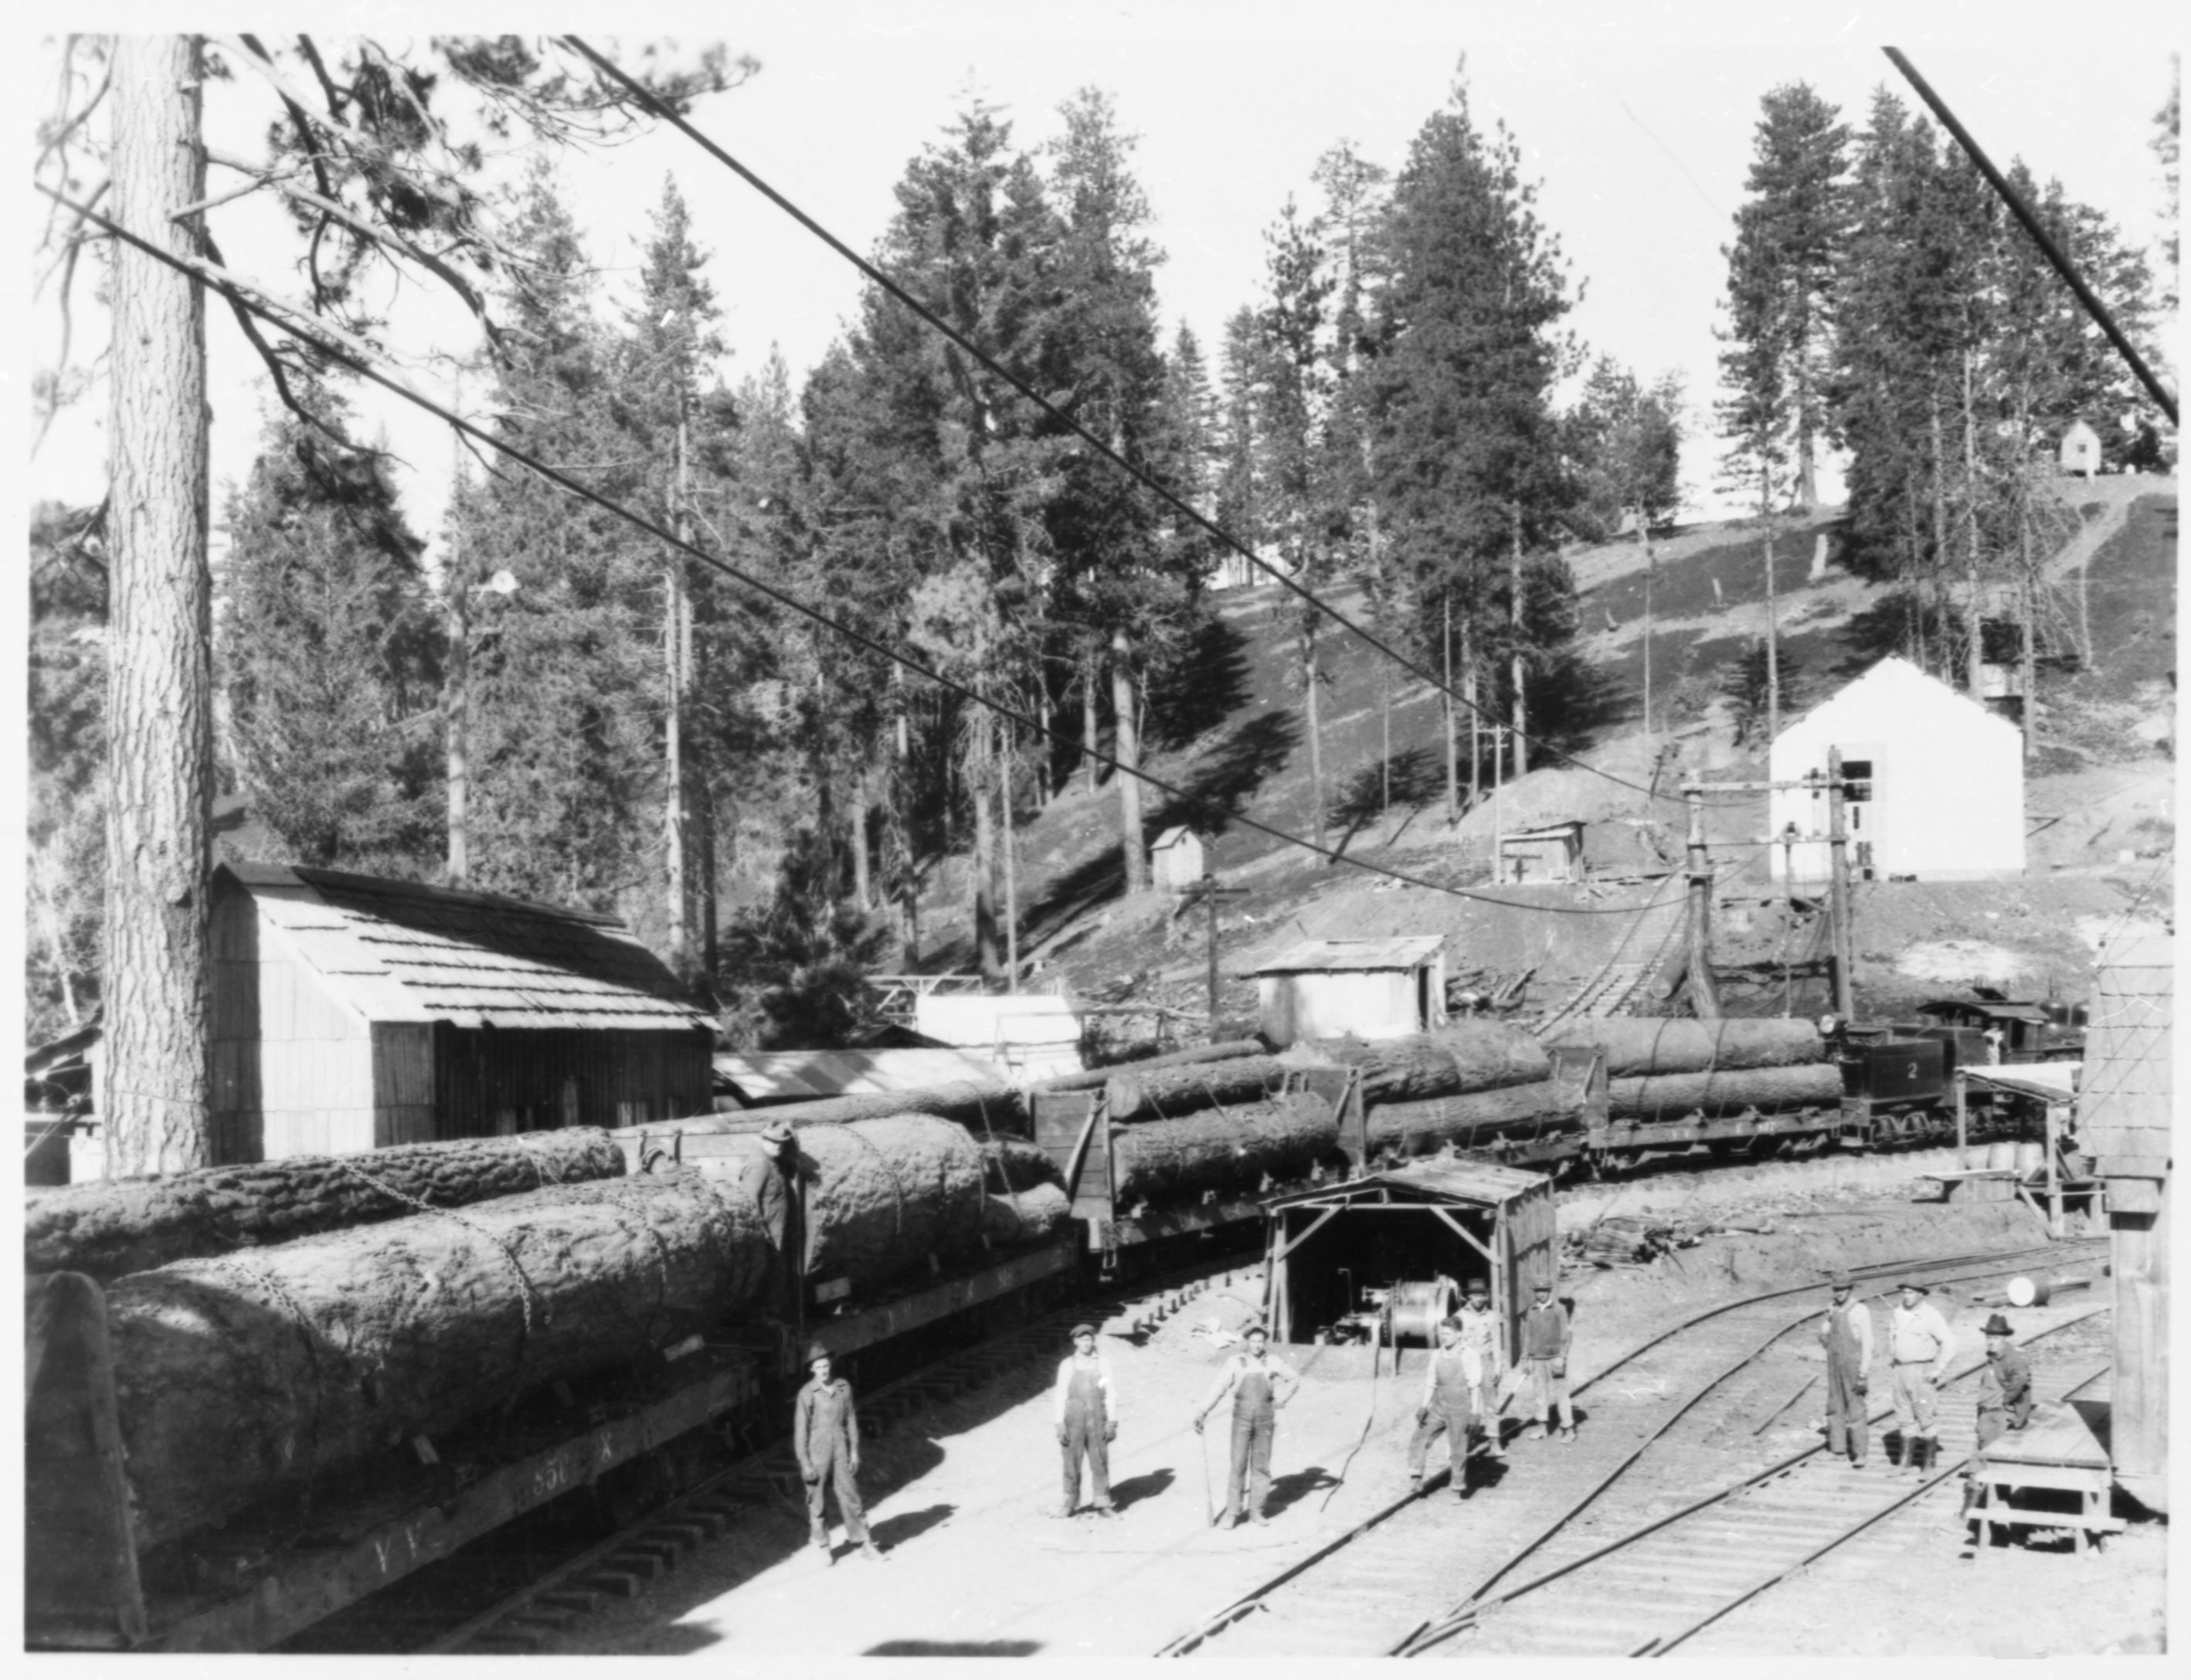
<point>1095,1078</point>
<point>1636,1047</point>
<point>254,1373</point>
<point>1457,1059</point>
<point>1234,1151</point>
<point>1768,1090</point>
<point>880,1195</point>
<point>976,1105</point>
<point>1473,1118</point>
<point>1162,1093</point>
<point>1009,1164</point>
<point>1027,1216</point>
<point>112,1227</point>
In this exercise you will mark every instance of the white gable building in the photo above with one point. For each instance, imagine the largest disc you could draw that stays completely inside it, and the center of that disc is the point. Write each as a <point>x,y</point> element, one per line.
<point>1936,783</point>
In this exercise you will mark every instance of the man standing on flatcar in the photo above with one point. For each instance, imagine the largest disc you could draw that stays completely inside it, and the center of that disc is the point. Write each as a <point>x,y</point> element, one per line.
<point>1084,1404</point>
<point>1921,1344</point>
<point>825,1435</point>
<point>1251,1377</point>
<point>1546,1336</point>
<point>1846,1333</point>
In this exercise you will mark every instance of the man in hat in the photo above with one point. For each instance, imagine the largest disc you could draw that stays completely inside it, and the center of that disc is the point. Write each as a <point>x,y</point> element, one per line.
<point>1084,1404</point>
<point>1546,1336</point>
<point>1442,1410</point>
<point>1846,1333</point>
<point>825,1435</point>
<point>1920,1344</point>
<point>1252,1378</point>
<point>2005,1398</point>
<point>1479,1361</point>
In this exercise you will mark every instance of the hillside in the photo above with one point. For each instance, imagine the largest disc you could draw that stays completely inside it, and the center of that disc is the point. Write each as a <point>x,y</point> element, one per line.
<point>2100,798</point>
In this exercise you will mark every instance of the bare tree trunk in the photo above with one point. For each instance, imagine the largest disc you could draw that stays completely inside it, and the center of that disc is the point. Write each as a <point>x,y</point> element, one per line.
<point>1940,526</point>
<point>1468,691</point>
<point>1452,723</point>
<point>676,658</point>
<point>862,866</point>
<point>980,755</point>
<point>1974,655</point>
<point>1044,715</point>
<point>1521,711</point>
<point>1006,840</point>
<point>1088,719</point>
<point>1772,618</point>
<point>456,683</point>
<point>1650,569</point>
<point>1128,755</point>
<point>2029,654</point>
<point>155,1077</point>
<point>1309,713</point>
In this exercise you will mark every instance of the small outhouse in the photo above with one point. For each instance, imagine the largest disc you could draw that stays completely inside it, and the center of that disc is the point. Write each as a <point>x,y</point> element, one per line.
<point>2081,448</point>
<point>1382,988</point>
<point>1389,1254</point>
<point>1552,852</point>
<point>1175,860</point>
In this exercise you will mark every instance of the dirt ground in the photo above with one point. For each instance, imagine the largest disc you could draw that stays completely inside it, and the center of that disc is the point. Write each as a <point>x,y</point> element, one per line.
<point>961,1497</point>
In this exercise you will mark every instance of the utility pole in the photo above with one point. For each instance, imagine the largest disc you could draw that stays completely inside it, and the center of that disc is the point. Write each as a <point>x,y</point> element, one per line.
<point>1498,733</point>
<point>456,697</point>
<point>1704,989</point>
<point>1837,837</point>
<point>1206,892</point>
<point>1650,569</point>
<point>676,649</point>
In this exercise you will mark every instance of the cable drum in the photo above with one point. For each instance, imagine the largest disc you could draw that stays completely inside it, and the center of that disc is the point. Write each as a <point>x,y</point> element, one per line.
<point>1414,1311</point>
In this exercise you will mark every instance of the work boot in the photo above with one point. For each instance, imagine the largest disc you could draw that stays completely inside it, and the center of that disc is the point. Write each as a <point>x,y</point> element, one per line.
<point>1567,1434</point>
<point>1106,1509</point>
<point>1414,1482</point>
<point>1259,1519</point>
<point>873,1553</point>
<point>1535,1431</point>
<point>829,1552</point>
<point>1228,1520</point>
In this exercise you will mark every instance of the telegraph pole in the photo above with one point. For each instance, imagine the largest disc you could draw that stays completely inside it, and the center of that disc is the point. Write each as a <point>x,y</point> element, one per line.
<point>1207,892</point>
<point>1704,991</point>
<point>1837,838</point>
<point>676,639</point>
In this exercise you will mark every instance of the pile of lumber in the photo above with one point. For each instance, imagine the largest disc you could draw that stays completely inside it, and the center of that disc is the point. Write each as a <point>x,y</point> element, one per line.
<point>257,1372</point>
<point>112,1227</point>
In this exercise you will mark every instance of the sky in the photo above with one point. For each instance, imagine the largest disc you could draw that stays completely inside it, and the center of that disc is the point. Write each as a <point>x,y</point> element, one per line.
<point>1635,122</point>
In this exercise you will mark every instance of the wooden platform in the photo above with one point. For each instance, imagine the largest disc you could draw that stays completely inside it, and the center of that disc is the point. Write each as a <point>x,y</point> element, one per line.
<point>2062,1450</point>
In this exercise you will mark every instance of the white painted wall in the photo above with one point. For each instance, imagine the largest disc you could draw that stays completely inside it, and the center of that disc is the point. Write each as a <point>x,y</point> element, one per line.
<point>1947,777</point>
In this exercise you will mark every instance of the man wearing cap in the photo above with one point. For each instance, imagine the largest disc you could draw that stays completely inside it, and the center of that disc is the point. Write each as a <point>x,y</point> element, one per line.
<point>825,1435</point>
<point>2005,1398</point>
<point>1084,1404</point>
<point>1546,1336</point>
<point>1846,1333</point>
<point>1921,1344</point>
<point>1442,1410</point>
<point>1479,1361</point>
<point>1251,1376</point>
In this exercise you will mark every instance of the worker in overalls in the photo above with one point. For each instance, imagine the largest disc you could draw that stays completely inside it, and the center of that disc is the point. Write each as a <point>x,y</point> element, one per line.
<point>1846,1333</point>
<point>825,1436</point>
<point>1252,1378</point>
<point>1442,1410</point>
<point>1479,1361</point>
<point>1921,1344</point>
<point>1084,1404</point>
<point>2004,1399</point>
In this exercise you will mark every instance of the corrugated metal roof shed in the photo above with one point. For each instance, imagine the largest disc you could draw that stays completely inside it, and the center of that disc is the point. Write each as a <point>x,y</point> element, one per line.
<point>1405,951</point>
<point>398,951</point>
<point>790,1076</point>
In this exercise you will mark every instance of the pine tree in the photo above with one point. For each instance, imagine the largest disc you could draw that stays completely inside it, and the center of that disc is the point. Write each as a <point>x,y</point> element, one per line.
<point>327,655</point>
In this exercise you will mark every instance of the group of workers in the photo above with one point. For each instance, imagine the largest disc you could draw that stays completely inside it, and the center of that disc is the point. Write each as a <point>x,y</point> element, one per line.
<point>1919,1346</point>
<point>1459,1401</point>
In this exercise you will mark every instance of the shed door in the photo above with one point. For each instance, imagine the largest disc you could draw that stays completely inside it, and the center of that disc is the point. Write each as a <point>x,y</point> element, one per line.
<point>1531,1244</point>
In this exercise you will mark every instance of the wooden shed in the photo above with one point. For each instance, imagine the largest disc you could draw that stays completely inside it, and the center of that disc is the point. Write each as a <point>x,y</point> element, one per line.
<point>1384,988</point>
<point>2124,1113</point>
<point>350,1013</point>
<point>1175,860</point>
<point>1417,1236</point>
<point>1552,852</point>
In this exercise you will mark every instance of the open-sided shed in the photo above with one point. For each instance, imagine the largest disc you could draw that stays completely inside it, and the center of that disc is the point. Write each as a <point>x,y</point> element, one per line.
<point>1422,1232</point>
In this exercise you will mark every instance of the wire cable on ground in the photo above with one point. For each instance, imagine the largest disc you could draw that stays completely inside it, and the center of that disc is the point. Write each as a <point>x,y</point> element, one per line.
<point>877,278</point>
<point>360,360</point>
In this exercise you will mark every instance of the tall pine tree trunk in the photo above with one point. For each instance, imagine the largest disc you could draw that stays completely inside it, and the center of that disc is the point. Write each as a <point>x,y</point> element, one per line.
<point>1650,570</point>
<point>1974,657</point>
<point>1772,618</point>
<point>1452,722</point>
<point>2027,612</point>
<point>980,757</point>
<point>676,659</point>
<point>1940,527</point>
<point>1005,842</point>
<point>1521,712</point>
<point>1128,755</point>
<point>1468,692</point>
<point>1088,718</point>
<point>155,1079</point>
<point>857,816</point>
<point>1309,685</point>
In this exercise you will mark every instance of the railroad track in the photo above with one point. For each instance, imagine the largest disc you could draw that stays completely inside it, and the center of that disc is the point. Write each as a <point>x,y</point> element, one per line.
<point>624,1565</point>
<point>1686,1406</point>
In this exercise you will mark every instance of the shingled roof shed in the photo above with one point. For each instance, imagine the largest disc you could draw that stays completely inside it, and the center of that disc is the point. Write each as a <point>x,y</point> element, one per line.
<point>350,1013</point>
